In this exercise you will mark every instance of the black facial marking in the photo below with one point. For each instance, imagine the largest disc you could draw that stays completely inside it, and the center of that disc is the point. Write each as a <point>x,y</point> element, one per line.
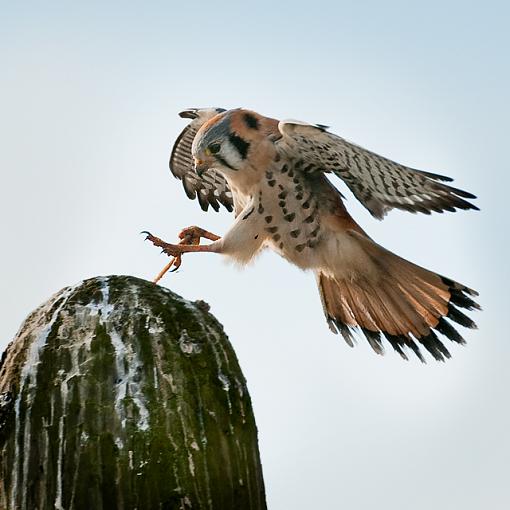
<point>251,121</point>
<point>268,219</point>
<point>257,236</point>
<point>290,217</point>
<point>241,145</point>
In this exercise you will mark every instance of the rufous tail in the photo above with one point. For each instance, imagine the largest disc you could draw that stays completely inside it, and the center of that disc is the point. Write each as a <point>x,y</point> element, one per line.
<point>399,300</point>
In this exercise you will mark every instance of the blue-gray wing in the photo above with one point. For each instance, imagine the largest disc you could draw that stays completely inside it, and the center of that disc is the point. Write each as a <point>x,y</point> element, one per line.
<point>377,182</point>
<point>211,188</point>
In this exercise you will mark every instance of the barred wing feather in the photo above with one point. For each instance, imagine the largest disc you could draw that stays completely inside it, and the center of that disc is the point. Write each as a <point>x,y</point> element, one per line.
<point>211,188</point>
<point>377,182</point>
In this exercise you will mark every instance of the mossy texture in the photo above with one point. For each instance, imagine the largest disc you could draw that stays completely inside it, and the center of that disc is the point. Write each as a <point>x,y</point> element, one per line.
<point>119,394</point>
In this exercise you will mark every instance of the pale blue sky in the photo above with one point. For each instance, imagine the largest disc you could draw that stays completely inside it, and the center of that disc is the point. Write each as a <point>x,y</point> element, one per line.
<point>90,94</point>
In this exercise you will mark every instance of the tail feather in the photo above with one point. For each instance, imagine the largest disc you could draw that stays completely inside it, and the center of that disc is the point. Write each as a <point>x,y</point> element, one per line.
<point>399,300</point>
<point>434,346</point>
<point>446,329</point>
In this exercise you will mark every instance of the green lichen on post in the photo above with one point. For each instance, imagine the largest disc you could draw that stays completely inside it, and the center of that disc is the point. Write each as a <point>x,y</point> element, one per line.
<point>124,395</point>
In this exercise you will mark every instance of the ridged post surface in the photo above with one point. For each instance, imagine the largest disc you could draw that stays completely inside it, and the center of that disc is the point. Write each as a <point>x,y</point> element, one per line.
<point>119,394</point>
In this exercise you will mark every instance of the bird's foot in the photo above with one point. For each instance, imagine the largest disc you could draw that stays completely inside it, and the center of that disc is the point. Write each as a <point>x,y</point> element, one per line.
<point>189,237</point>
<point>172,250</point>
<point>193,234</point>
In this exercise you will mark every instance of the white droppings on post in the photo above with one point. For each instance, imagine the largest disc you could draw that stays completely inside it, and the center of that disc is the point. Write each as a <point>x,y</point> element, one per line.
<point>221,376</point>
<point>27,384</point>
<point>155,377</point>
<point>239,387</point>
<point>126,344</point>
<point>191,464</point>
<point>187,345</point>
<point>225,384</point>
<point>58,497</point>
<point>170,380</point>
<point>128,384</point>
<point>203,439</point>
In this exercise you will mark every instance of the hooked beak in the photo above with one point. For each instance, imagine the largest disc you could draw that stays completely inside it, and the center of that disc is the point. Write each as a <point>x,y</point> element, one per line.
<point>200,166</point>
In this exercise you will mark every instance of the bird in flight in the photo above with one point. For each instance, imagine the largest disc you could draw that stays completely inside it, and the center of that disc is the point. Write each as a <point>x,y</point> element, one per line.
<point>273,175</point>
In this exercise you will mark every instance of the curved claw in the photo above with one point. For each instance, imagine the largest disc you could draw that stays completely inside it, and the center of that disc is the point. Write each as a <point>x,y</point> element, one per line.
<point>176,262</point>
<point>188,236</point>
<point>175,268</point>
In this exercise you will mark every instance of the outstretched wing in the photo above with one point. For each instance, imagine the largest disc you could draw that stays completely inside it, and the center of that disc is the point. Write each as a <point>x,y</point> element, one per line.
<point>211,188</point>
<point>377,182</point>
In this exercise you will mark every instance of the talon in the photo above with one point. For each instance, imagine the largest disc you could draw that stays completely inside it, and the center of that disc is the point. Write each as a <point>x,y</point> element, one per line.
<point>189,237</point>
<point>176,263</point>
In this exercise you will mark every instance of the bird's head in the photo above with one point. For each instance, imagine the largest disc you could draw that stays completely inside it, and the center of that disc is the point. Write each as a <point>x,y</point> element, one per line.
<point>227,141</point>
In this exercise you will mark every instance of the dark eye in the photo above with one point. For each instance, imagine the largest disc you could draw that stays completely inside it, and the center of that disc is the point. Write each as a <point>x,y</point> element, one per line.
<point>214,148</point>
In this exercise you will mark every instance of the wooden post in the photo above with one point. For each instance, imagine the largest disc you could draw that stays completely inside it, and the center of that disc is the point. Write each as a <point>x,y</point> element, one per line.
<point>119,394</point>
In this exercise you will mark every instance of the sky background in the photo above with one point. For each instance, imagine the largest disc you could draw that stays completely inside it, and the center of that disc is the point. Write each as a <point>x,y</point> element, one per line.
<point>89,103</point>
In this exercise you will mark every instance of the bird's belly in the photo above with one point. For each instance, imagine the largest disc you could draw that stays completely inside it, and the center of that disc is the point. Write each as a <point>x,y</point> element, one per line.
<point>331,252</point>
<point>290,219</point>
<point>296,245</point>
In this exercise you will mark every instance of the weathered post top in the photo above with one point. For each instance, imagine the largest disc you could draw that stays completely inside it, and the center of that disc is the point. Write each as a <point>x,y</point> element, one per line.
<point>119,394</point>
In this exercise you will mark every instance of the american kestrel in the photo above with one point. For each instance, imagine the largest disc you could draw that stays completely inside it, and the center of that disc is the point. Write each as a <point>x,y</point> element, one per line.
<point>273,175</point>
